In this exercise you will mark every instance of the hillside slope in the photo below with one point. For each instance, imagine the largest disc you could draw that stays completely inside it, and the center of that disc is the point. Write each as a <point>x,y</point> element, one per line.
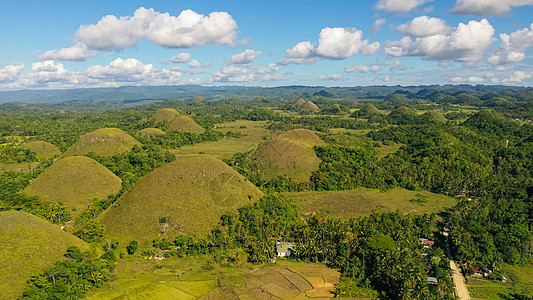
<point>43,150</point>
<point>104,141</point>
<point>185,124</point>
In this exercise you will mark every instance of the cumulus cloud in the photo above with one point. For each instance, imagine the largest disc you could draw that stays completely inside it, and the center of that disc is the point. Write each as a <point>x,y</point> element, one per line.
<point>378,24</point>
<point>513,46</point>
<point>517,77</point>
<point>247,73</point>
<point>330,78</point>
<point>333,43</point>
<point>399,6</point>
<point>189,29</point>
<point>487,7</point>
<point>78,52</point>
<point>362,69</point>
<point>424,26</point>
<point>11,73</point>
<point>465,43</point>
<point>245,57</point>
<point>471,79</point>
<point>180,58</point>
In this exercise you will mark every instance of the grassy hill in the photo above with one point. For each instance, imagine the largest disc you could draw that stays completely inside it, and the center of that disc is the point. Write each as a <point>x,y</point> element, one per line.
<point>193,192</point>
<point>164,116</point>
<point>361,202</point>
<point>289,154</point>
<point>74,181</point>
<point>434,117</point>
<point>104,141</point>
<point>42,149</point>
<point>29,244</point>
<point>309,107</point>
<point>150,132</point>
<point>185,124</point>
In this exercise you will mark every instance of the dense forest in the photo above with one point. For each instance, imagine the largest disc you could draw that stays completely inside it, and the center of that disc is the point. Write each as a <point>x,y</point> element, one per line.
<point>474,145</point>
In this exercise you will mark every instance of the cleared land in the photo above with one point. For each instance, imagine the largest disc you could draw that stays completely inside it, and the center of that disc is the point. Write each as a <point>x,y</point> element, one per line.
<point>192,192</point>
<point>186,279</point>
<point>74,181</point>
<point>227,147</point>
<point>104,141</point>
<point>29,244</point>
<point>43,150</point>
<point>361,202</point>
<point>519,282</point>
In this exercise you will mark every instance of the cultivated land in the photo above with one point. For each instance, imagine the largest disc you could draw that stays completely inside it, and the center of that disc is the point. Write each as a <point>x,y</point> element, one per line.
<point>519,281</point>
<point>361,202</point>
<point>28,244</point>
<point>43,150</point>
<point>193,192</point>
<point>289,154</point>
<point>105,142</point>
<point>225,148</point>
<point>74,181</point>
<point>185,124</point>
<point>186,279</point>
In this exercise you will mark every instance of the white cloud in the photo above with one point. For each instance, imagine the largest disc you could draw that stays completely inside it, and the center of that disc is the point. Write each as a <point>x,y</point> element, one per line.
<point>377,25</point>
<point>399,6</point>
<point>487,7</point>
<point>78,52</point>
<point>517,77</point>
<point>386,78</point>
<point>245,57</point>
<point>471,79</point>
<point>424,26</point>
<point>362,68</point>
<point>247,73</point>
<point>330,78</point>
<point>181,58</point>
<point>195,64</point>
<point>466,43</point>
<point>513,46</point>
<point>187,30</point>
<point>11,73</point>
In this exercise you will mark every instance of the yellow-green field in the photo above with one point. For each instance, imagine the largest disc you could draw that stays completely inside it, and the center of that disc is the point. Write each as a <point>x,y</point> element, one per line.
<point>186,279</point>
<point>385,150</point>
<point>43,150</point>
<point>361,202</point>
<point>227,147</point>
<point>519,282</point>
<point>104,141</point>
<point>24,168</point>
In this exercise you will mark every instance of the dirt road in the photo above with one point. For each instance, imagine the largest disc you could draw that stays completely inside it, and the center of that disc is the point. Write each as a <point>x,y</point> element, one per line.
<point>458,278</point>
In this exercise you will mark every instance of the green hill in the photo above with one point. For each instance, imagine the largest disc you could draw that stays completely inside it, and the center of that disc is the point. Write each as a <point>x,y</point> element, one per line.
<point>42,149</point>
<point>299,102</point>
<point>490,121</point>
<point>104,141</point>
<point>150,132</point>
<point>191,192</point>
<point>164,116</point>
<point>433,117</point>
<point>185,124</point>
<point>29,244</point>
<point>74,181</point>
<point>309,106</point>
<point>368,111</point>
<point>289,154</point>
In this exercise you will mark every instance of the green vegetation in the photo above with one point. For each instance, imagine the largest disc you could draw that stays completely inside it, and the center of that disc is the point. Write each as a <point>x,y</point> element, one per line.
<point>164,116</point>
<point>105,142</point>
<point>149,132</point>
<point>191,193</point>
<point>361,202</point>
<point>29,243</point>
<point>74,181</point>
<point>185,124</point>
<point>43,150</point>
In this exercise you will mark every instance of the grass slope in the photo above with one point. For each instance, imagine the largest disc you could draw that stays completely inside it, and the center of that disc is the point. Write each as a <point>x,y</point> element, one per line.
<point>23,168</point>
<point>74,181</point>
<point>104,141</point>
<point>289,154</point>
<point>309,107</point>
<point>164,116</point>
<point>151,132</point>
<point>29,244</point>
<point>185,124</point>
<point>193,191</point>
<point>43,150</point>
<point>361,202</point>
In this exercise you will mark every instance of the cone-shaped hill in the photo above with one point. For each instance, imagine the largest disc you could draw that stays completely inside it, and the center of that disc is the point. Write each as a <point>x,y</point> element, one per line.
<point>74,181</point>
<point>29,244</point>
<point>368,111</point>
<point>299,102</point>
<point>433,117</point>
<point>192,193</point>
<point>185,124</point>
<point>402,115</point>
<point>43,150</point>
<point>164,116</point>
<point>289,154</point>
<point>148,132</point>
<point>104,141</point>
<point>309,107</point>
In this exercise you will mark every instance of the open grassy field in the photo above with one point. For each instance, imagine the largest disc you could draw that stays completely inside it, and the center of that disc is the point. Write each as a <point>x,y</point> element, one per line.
<point>43,150</point>
<point>520,282</point>
<point>193,192</point>
<point>24,168</point>
<point>104,141</point>
<point>186,279</point>
<point>74,181</point>
<point>385,150</point>
<point>28,244</point>
<point>227,147</point>
<point>361,202</point>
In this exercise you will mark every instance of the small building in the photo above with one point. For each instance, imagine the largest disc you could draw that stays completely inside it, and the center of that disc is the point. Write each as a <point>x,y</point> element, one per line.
<point>426,243</point>
<point>432,280</point>
<point>481,271</point>
<point>284,249</point>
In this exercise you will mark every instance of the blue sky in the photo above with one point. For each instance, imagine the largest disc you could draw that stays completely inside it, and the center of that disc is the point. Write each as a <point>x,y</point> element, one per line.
<point>71,44</point>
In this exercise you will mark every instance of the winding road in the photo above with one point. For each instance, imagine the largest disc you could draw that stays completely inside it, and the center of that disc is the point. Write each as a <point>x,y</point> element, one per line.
<point>458,278</point>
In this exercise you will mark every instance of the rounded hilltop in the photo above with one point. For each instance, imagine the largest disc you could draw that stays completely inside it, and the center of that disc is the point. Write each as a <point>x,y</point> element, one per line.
<point>185,124</point>
<point>43,150</point>
<point>148,132</point>
<point>164,116</point>
<point>189,194</point>
<point>104,142</point>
